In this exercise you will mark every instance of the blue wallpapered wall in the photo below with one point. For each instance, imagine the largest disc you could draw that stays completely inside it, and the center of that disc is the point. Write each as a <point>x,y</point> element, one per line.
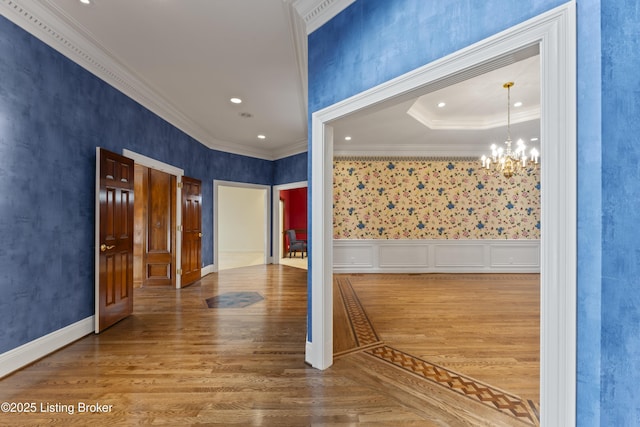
<point>290,169</point>
<point>620,199</point>
<point>373,41</point>
<point>589,212</point>
<point>53,114</point>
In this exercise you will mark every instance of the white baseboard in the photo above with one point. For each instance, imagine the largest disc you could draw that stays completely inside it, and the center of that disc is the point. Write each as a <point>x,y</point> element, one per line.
<point>308,353</point>
<point>208,269</point>
<point>436,256</point>
<point>20,357</point>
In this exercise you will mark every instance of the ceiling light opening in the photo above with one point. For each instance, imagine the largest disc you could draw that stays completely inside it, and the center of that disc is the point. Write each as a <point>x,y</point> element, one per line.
<point>85,1</point>
<point>262,136</point>
<point>518,104</point>
<point>233,100</point>
<point>347,138</point>
<point>441,104</point>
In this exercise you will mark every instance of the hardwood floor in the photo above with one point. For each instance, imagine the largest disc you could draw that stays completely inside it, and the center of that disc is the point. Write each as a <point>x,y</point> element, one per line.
<point>178,362</point>
<point>477,335</point>
<point>485,326</point>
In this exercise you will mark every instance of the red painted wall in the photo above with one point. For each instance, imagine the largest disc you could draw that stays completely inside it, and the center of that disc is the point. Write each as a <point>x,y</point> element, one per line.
<point>295,210</point>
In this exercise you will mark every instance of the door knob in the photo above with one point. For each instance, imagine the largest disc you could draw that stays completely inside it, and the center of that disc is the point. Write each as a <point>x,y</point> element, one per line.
<point>104,247</point>
<point>199,234</point>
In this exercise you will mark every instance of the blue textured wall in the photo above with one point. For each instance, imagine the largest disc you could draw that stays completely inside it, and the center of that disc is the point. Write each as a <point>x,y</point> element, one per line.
<point>53,114</point>
<point>290,169</point>
<point>620,358</point>
<point>373,41</point>
<point>589,275</point>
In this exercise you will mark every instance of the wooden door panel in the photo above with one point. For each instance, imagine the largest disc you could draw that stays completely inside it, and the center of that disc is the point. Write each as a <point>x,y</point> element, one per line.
<point>114,243</point>
<point>191,230</point>
<point>160,235</point>
<point>126,221</point>
<point>160,200</point>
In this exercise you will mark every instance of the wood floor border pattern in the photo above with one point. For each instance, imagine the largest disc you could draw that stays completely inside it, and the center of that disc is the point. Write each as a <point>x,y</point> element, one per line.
<point>362,328</point>
<point>368,342</point>
<point>504,402</point>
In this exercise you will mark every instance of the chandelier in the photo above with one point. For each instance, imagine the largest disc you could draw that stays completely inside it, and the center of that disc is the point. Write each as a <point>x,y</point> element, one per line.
<point>509,161</point>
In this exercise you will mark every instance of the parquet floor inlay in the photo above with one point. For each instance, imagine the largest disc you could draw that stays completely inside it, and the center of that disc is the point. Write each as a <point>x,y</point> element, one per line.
<point>362,329</point>
<point>368,342</point>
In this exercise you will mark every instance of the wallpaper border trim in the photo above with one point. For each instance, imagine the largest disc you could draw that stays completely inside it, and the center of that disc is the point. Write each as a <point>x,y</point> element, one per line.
<point>409,158</point>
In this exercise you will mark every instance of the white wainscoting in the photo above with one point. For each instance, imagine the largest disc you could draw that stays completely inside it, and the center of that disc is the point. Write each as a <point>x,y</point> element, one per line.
<point>436,256</point>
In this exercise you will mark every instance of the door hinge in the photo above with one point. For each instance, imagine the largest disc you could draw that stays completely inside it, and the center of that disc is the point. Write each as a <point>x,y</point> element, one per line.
<point>180,184</point>
<point>179,271</point>
<point>179,228</point>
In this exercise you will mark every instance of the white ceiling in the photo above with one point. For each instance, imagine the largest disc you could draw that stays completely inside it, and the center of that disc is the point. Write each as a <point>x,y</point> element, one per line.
<point>474,117</point>
<point>184,60</point>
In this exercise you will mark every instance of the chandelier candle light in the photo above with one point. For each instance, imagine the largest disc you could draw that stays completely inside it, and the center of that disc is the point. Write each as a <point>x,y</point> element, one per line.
<point>507,160</point>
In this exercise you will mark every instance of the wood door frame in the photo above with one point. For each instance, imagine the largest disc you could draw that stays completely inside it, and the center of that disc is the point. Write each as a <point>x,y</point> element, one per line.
<point>267,242</point>
<point>555,33</point>
<point>178,174</point>
<point>276,249</point>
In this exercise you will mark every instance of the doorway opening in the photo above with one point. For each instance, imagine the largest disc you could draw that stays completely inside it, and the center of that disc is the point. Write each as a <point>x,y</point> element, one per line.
<point>154,228</point>
<point>290,213</point>
<point>241,225</point>
<point>554,32</point>
<point>157,214</point>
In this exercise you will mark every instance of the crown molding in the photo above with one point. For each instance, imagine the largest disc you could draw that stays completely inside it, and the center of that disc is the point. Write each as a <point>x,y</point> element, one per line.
<point>45,21</point>
<point>316,13</point>
<point>291,150</point>
<point>422,114</point>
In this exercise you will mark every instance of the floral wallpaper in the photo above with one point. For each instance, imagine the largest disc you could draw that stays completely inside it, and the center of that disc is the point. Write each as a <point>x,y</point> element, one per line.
<point>432,199</point>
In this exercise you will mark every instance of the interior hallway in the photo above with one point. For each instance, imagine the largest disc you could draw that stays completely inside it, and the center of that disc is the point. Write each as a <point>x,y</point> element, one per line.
<point>229,349</point>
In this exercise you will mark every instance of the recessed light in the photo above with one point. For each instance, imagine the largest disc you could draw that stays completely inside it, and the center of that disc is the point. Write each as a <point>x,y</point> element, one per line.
<point>85,1</point>
<point>262,136</point>
<point>347,138</point>
<point>518,104</point>
<point>534,139</point>
<point>233,100</point>
<point>441,104</point>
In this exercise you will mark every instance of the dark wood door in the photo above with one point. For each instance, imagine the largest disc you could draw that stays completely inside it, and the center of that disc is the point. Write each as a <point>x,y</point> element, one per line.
<point>114,238</point>
<point>159,231</point>
<point>192,229</point>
